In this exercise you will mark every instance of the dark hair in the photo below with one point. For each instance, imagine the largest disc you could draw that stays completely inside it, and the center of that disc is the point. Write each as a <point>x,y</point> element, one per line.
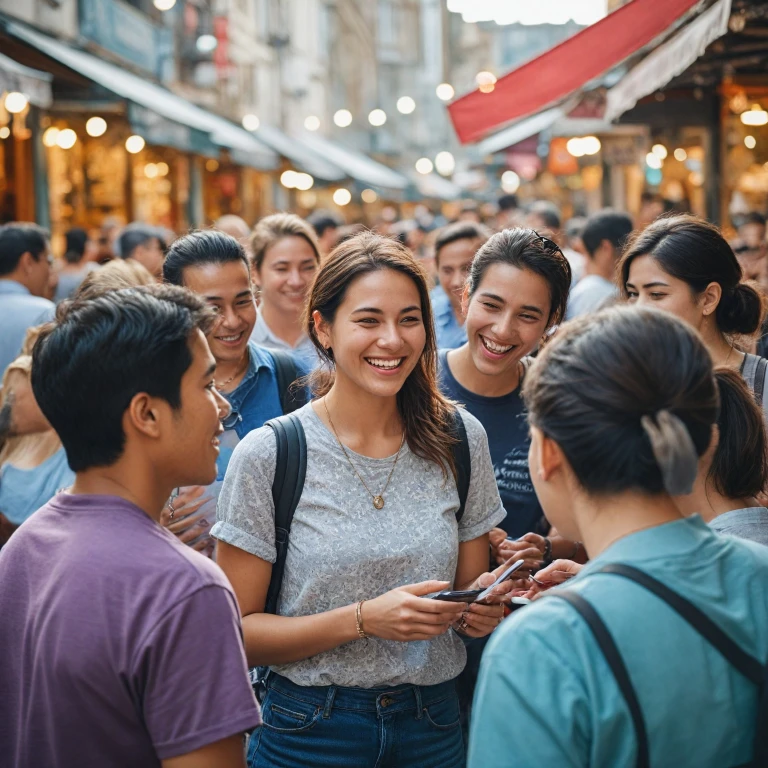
<point>548,212</point>
<point>100,353</point>
<point>272,229</point>
<point>595,381</point>
<point>694,251</point>
<point>508,203</point>
<point>613,226</point>
<point>526,249</point>
<point>76,240</point>
<point>460,230</point>
<point>322,221</point>
<point>739,467</point>
<point>135,235</point>
<point>753,217</point>
<point>426,414</point>
<point>18,238</point>
<point>206,246</point>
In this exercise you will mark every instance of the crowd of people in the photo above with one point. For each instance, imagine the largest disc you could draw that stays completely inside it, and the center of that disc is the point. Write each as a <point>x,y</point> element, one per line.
<point>489,493</point>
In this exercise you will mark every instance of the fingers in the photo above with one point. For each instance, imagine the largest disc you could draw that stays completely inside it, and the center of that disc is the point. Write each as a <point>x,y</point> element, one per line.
<point>425,631</point>
<point>425,587</point>
<point>558,571</point>
<point>188,493</point>
<point>202,544</point>
<point>438,607</point>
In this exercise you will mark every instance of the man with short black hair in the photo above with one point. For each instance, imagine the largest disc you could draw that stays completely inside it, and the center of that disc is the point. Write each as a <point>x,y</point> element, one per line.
<point>142,243</point>
<point>121,646</point>
<point>455,247</point>
<point>603,236</point>
<point>326,226</point>
<point>25,270</point>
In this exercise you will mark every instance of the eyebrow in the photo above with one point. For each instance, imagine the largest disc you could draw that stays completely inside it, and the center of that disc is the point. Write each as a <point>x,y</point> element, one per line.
<point>301,263</point>
<point>210,371</point>
<point>221,298</point>
<point>650,285</point>
<point>493,296</point>
<point>375,311</point>
<point>532,308</point>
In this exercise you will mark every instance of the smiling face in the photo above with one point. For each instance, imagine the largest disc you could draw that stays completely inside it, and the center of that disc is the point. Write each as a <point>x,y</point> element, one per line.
<point>286,274</point>
<point>454,261</point>
<point>378,334</point>
<point>648,284</point>
<point>506,317</point>
<point>227,288</point>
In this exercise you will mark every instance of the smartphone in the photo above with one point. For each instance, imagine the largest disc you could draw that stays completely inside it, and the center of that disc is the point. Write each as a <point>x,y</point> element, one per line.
<point>475,595</point>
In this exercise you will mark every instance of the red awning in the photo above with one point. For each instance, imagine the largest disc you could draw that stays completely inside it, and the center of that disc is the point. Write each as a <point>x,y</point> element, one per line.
<point>566,67</point>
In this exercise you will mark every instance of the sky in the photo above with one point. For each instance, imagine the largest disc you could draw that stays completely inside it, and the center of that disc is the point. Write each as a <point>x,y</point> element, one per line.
<point>530,11</point>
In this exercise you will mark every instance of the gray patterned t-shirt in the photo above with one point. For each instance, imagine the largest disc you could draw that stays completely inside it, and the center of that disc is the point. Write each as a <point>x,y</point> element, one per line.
<point>342,549</point>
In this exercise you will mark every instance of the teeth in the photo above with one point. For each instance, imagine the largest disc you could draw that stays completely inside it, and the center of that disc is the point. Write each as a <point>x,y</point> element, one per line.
<point>497,348</point>
<point>386,364</point>
<point>230,338</point>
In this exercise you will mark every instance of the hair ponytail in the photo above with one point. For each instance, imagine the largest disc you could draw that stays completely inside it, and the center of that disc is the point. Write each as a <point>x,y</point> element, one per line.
<point>740,311</point>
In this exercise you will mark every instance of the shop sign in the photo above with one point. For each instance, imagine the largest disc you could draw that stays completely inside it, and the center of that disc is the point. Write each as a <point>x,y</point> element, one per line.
<point>130,34</point>
<point>561,161</point>
<point>159,131</point>
<point>620,150</point>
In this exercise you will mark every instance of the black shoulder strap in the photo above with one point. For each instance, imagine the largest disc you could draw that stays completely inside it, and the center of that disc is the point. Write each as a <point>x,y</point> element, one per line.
<point>762,365</point>
<point>463,461</point>
<point>287,485</point>
<point>291,397</point>
<point>616,663</point>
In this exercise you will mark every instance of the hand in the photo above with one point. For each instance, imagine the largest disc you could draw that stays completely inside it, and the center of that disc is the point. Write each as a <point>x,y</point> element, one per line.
<point>479,620</point>
<point>555,573</point>
<point>189,522</point>
<point>404,614</point>
<point>496,536</point>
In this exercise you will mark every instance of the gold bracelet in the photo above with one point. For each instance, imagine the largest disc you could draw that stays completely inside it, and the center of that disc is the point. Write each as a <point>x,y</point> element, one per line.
<point>359,620</point>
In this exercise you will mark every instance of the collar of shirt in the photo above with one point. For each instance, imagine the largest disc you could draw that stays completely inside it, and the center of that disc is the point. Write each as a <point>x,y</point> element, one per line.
<point>11,286</point>
<point>262,334</point>
<point>258,358</point>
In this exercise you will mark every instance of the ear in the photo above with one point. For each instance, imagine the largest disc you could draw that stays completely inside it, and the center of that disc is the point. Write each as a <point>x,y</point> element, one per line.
<point>465,300</point>
<point>143,416</point>
<point>550,457</point>
<point>322,328</point>
<point>710,298</point>
<point>27,261</point>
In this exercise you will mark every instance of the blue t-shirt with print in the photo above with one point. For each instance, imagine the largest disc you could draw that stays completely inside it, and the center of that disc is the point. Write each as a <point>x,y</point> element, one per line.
<point>505,422</point>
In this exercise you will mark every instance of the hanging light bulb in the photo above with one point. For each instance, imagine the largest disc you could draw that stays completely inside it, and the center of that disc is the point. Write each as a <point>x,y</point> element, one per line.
<point>16,102</point>
<point>96,126</point>
<point>343,118</point>
<point>445,91</point>
<point>342,196</point>
<point>134,144</point>
<point>754,116</point>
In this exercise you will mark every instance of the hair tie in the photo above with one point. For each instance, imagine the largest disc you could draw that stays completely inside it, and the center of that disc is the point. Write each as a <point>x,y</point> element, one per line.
<point>673,450</point>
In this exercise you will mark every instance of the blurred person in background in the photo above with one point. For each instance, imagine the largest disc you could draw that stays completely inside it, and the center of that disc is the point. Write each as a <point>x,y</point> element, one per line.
<point>326,226</point>
<point>509,214</point>
<point>144,244</point>
<point>107,239</point>
<point>544,217</point>
<point>79,259</point>
<point>455,247</point>
<point>604,236</point>
<point>285,258</point>
<point>113,276</point>
<point>25,274</point>
<point>572,233</point>
<point>470,211</point>
<point>348,231</point>
<point>234,226</point>
<point>651,207</point>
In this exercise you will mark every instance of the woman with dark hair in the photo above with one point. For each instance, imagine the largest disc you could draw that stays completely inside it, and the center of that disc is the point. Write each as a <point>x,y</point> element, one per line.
<point>582,676</point>
<point>285,259</point>
<point>683,265</point>
<point>362,665</point>
<point>79,261</point>
<point>734,471</point>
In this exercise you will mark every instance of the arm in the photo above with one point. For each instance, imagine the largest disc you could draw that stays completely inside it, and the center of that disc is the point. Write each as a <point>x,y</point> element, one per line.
<point>400,614</point>
<point>227,753</point>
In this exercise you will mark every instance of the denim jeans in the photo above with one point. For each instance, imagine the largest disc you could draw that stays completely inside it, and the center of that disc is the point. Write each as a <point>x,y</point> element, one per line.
<point>406,726</point>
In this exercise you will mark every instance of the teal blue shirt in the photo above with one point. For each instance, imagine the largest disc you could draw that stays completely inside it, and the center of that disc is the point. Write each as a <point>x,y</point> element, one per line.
<point>546,696</point>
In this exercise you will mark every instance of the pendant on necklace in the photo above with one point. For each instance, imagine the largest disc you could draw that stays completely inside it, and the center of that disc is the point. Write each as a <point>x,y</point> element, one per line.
<point>378,502</point>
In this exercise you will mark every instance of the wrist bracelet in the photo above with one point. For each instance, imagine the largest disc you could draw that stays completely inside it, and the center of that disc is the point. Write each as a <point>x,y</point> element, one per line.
<point>547,558</point>
<point>359,620</point>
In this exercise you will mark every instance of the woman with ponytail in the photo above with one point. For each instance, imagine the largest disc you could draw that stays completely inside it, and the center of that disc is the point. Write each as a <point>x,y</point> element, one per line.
<point>604,671</point>
<point>683,265</point>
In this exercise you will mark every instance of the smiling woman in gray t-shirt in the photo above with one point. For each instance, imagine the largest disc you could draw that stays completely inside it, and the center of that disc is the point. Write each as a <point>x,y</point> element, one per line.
<point>355,643</point>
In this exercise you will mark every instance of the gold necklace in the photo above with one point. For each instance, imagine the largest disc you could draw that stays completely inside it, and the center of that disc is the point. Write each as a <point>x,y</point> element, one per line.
<point>378,500</point>
<point>233,376</point>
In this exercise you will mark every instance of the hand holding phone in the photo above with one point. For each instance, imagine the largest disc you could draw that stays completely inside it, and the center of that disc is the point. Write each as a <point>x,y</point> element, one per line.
<point>476,595</point>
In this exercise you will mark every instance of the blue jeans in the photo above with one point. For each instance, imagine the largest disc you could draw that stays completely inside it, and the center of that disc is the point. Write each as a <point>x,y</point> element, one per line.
<point>406,726</point>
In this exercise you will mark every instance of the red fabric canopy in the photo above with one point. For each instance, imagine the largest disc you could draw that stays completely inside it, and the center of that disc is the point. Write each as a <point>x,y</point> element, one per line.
<point>566,67</point>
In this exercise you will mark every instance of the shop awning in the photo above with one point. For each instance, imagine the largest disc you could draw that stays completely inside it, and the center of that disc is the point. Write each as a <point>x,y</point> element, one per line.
<point>356,165</point>
<point>302,156</point>
<point>668,60</point>
<point>246,148</point>
<point>520,131</point>
<point>436,187</point>
<point>566,68</point>
<point>35,85</point>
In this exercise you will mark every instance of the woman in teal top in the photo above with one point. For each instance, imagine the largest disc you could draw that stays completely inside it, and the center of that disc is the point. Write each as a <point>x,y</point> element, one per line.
<point>606,458</point>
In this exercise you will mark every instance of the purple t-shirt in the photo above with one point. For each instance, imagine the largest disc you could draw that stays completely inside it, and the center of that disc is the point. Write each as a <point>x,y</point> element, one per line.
<point>120,646</point>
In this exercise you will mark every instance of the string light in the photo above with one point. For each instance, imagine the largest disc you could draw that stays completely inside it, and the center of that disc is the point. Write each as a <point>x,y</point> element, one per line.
<point>424,165</point>
<point>343,118</point>
<point>96,126</point>
<point>445,91</point>
<point>134,144</point>
<point>16,102</point>
<point>405,105</point>
<point>342,196</point>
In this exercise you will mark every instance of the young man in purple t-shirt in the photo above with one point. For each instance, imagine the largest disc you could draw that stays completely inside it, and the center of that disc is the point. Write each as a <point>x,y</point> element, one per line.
<point>120,645</point>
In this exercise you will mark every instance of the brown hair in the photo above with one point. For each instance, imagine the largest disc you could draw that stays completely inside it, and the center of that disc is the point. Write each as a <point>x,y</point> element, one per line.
<point>426,414</point>
<point>117,274</point>
<point>274,228</point>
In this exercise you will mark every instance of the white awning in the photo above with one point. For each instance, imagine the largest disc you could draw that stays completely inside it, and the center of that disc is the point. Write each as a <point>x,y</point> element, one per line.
<point>247,148</point>
<point>434,186</point>
<point>301,155</point>
<point>355,164</point>
<point>35,85</point>
<point>520,131</point>
<point>668,60</point>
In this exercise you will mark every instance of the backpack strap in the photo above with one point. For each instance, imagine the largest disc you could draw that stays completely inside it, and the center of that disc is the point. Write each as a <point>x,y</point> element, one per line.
<point>463,461</point>
<point>292,397</point>
<point>619,669</point>
<point>759,386</point>
<point>287,486</point>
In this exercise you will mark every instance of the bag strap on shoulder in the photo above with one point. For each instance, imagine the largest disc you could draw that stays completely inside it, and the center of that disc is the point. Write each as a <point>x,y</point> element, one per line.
<point>291,397</point>
<point>619,669</point>
<point>463,461</point>
<point>760,371</point>
<point>287,485</point>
